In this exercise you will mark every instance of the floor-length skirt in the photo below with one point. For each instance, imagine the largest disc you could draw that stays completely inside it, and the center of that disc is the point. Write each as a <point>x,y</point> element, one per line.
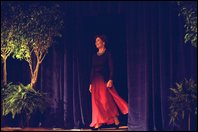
<point>105,102</point>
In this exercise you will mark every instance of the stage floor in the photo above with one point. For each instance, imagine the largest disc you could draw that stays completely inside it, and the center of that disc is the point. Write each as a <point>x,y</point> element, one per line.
<point>121,128</point>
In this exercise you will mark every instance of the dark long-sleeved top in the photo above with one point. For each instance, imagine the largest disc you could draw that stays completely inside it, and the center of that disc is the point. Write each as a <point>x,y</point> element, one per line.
<point>102,66</point>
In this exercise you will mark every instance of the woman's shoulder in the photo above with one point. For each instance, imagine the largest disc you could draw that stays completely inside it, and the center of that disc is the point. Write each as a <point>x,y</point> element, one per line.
<point>108,53</point>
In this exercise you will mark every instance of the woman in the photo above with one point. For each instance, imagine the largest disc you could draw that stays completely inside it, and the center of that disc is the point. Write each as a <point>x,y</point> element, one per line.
<point>104,96</point>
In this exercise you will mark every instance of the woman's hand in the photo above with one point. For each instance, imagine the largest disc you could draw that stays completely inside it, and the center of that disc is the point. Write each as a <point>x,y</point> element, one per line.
<point>90,86</point>
<point>110,83</point>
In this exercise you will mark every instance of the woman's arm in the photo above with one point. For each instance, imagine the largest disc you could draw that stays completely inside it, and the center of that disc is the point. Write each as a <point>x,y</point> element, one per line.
<point>111,68</point>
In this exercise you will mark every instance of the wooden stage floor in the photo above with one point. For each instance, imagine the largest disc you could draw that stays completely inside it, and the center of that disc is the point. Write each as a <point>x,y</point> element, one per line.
<point>121,128</point>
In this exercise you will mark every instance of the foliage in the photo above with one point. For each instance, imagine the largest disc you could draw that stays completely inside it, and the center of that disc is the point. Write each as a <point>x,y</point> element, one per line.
<point>35,27</point>
<point>39,25</point>
<point>20,99</point>
<point>10,32</point>
<point>189,12</point>
<point>183,100</point>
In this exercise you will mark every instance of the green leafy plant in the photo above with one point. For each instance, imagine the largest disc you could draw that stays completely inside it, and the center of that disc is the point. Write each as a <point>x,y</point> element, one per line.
<point>20,99</point>
<point>183,101</point>
<point>188,10</point>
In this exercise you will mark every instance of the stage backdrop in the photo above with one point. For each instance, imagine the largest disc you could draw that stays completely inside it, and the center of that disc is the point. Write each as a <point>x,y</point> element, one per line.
<point>146,40</point>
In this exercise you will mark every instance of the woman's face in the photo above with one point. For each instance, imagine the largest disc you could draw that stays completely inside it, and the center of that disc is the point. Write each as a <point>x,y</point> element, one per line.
<point>99,43</point>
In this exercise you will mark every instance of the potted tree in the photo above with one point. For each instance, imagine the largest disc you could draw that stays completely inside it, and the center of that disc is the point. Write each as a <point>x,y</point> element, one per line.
<point>183,102</point>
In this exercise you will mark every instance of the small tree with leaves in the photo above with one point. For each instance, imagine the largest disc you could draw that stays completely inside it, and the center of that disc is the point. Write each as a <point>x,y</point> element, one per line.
<point>183,101</point>
<point>39,25</point>
<point>9,31</point>
<point>7,47</point>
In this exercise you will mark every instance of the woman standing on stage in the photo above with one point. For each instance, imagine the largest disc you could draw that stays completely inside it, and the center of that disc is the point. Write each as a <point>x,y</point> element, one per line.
<point>104,96</point>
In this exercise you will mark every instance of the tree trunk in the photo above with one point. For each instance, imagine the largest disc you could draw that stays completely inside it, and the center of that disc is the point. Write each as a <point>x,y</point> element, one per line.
<point>35,75</point>
<point>4,71</point>
<point>33,81</point>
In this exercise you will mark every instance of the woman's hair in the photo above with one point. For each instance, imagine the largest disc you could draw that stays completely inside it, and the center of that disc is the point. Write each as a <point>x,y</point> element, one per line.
<point>102,37</point>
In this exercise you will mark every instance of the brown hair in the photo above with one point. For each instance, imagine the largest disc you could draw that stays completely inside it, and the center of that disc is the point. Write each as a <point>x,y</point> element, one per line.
<point>102,37</point>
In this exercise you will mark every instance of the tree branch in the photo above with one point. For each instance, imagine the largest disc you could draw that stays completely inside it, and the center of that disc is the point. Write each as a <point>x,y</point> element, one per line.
<point>43,57</point>
<point>31,69</point>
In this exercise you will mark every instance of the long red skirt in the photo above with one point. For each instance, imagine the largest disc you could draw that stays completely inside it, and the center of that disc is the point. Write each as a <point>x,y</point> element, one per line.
<point>104,101</point>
